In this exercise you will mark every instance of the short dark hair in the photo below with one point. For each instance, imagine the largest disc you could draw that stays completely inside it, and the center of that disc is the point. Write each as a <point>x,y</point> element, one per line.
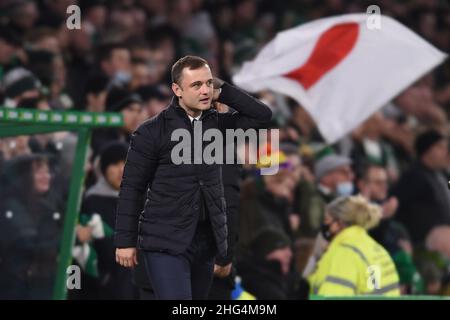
<point>190,62</point>
<point>105,51</point>
<point>426,140</point>
<point>112,153</point>
<point>96,84</point>
<point>10,36</point>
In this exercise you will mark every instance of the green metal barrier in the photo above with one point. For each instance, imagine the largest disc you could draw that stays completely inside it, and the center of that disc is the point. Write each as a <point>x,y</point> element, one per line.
<point>14,122</point>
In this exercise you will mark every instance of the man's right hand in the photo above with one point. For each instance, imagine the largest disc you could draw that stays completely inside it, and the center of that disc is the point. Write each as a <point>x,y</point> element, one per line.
<point>126,257</point>
<point>222,271</point>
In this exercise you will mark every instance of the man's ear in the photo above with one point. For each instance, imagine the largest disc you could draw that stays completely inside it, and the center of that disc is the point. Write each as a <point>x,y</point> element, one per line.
<point>176,89</point>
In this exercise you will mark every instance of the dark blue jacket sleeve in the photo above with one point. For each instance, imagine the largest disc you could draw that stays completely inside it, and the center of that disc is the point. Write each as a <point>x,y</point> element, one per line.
<point>140,167</point>
<point>250,112</point>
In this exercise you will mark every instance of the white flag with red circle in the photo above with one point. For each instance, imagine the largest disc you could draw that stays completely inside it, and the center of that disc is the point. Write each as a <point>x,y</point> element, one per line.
<point>339,70</point>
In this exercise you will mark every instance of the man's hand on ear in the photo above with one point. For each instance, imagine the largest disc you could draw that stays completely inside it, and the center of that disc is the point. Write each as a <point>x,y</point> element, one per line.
<point>217,85</point>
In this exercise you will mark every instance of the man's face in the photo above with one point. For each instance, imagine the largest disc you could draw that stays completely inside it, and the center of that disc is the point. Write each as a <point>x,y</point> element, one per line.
<point>438,155</point>
<point>195,91</point>
<point>96,102</point>
<point>131,117</point>
<point>120,60</point>
<point>376,184</point>
<point>337,176</point>
<point>140,76</point>
<point>114,174</point>
<point>41,177</point>
<point>158,64</point>
<point>6,51</point>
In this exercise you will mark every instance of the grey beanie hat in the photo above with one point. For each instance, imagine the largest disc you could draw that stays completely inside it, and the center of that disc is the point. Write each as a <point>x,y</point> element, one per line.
<point>330,163</point>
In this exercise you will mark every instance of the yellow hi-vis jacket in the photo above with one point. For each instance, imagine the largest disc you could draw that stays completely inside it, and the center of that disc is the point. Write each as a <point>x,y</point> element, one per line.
<point>355,264</point>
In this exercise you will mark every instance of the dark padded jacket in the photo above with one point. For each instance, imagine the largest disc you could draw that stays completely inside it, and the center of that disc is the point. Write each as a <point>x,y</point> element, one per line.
<point>175,193</point>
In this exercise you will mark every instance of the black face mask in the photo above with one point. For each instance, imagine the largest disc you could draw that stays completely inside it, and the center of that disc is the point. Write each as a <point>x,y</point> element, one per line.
<point>379,202</point>
<point>325,231</point>
<point>28,103</point>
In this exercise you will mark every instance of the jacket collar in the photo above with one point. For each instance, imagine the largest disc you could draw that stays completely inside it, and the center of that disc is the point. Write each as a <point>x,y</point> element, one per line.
<point>174,111</point>
<point>349,234</point>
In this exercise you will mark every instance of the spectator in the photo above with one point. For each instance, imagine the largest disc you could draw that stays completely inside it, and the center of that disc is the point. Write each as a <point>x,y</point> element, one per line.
<point>30,230</point>
<point>370,147</point>
<point>265,258</point>
<point>114,280</point>
<point>115,63</point>
<point>373,185</point>
<point>127,103</point>
<point>22,89</point>
<point>140,74</point>
<point>9,44</point>
<point>347,267</point>
<point>155,99</point>
<point>95,15</point>
<point>96,92</point>
<point>22,15</point>
<point>334,177</point>
<point>422,191</point>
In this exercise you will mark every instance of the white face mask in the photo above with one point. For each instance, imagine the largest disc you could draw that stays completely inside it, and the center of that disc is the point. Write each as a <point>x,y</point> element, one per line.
<point>344,188</point>
<point>121,77</point>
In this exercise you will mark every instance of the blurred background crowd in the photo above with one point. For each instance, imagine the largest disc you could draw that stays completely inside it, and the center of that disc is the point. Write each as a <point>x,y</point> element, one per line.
<point>120,59</point>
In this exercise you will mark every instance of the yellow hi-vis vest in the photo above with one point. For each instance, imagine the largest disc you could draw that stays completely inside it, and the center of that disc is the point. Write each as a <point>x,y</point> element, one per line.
<point>355,264</point>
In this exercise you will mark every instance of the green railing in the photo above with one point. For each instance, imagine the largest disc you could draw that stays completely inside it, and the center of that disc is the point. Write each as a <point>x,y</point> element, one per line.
<point>14,122</point>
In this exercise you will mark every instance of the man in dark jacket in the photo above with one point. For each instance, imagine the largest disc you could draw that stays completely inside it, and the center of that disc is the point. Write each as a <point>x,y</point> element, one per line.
<point>424,199</point>
<point>183,224</point>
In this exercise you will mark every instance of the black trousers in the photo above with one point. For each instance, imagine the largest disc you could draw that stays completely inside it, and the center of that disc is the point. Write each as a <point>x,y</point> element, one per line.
<point>184,276</point>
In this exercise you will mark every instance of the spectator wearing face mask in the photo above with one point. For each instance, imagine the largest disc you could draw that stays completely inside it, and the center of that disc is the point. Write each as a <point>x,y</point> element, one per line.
<point>354,263</point>
<point>334,177</point>
<point>114,61</point>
